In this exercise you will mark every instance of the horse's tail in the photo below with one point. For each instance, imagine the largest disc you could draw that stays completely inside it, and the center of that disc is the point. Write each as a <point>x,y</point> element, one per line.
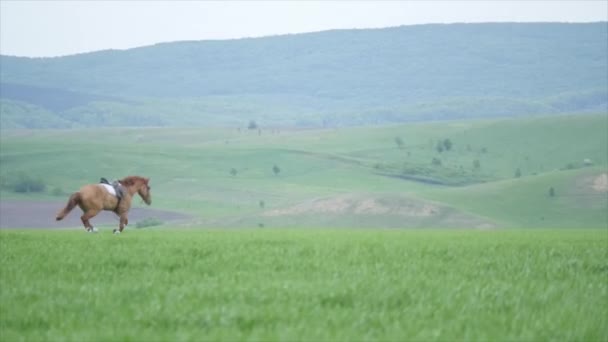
<point>72,202</point>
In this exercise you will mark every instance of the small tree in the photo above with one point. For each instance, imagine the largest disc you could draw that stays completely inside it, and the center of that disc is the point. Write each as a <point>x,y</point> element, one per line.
<point>551,192</point>
<point>447,144</point>
<point>436,162</point>
<point>476,164</point>
<point>252,125</point>
<point>439,147</point>
<point>262,204</point>
<point>233,172</point>
<point>517,173</point>
<point>276,170</point>
<point>399,142</point>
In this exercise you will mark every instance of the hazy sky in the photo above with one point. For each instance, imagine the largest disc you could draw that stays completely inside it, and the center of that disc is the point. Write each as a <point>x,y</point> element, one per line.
<point>55,28</point>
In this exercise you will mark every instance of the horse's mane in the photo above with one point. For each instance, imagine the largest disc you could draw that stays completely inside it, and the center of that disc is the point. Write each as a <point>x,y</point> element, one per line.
<point>132,180</point>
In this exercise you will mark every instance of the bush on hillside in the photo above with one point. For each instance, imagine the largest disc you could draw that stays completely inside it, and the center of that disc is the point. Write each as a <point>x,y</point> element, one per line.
<point>571,166</point>
<point>24,183</point>
<point>476,164</point>
<point>447,144</point>
<point>57,192</point>
<point>399,142</point>
<point>276,170</point>
<point>517,173</point>
<point>439,146</point>
<point>149,222</point>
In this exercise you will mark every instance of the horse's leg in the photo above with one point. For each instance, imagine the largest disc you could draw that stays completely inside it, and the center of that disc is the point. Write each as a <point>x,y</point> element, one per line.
<point>123,222</point>
<point>85,219</point>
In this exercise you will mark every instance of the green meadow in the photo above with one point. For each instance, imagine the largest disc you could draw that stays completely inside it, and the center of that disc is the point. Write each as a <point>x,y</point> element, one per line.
<point>368,233</point>
<point>496,174</point>
<point>305,285</point>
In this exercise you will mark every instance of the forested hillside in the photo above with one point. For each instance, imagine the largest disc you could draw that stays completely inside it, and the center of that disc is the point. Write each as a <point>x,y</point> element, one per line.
<point>332,78</point>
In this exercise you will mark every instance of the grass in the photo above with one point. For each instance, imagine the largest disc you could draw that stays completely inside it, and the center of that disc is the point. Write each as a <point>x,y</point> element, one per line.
<point>525,201</point>
<point>312,284</point>
<point>190,168</point>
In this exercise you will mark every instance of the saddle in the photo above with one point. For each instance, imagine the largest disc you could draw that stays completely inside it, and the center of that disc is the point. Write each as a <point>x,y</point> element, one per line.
<point>116,185</point>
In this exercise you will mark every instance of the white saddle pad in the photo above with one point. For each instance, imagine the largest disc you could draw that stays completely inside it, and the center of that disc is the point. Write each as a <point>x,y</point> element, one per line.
<point>109,189</point>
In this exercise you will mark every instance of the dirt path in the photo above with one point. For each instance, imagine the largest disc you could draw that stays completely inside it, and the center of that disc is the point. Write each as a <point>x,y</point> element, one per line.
<point>600,183</point>
<point>41,214</point>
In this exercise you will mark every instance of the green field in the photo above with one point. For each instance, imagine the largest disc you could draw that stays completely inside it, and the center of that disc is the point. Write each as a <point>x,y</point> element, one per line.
<point>258,284</point>
<point>349,177</point>
<point>491,253</point>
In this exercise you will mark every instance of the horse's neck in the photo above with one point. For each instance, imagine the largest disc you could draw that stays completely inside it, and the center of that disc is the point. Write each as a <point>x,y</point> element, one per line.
<point>131,190</point>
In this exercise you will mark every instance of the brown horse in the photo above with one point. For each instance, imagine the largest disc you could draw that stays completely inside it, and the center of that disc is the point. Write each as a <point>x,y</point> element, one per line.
<point>93,198</point>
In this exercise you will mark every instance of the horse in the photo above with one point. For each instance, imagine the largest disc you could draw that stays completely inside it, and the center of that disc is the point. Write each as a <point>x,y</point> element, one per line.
<point>93,198</point>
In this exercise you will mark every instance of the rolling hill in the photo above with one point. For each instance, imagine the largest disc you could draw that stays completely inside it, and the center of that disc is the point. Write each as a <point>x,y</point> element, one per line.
<point>325,79</point>
<point>347,177</point>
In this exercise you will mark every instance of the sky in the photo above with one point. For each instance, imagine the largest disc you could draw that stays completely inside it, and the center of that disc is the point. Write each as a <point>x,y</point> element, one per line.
<point>59,28</point>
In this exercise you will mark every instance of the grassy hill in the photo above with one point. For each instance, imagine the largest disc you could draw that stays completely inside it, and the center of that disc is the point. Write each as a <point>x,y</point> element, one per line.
<point>350,177</point>
<point>333,78</point>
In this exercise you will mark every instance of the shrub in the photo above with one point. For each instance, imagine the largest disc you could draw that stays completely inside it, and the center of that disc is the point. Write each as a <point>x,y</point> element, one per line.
<point>447,144</point>
<point>399,142</point>
<point>57,192</point>
<point>476,164</point>
<point>517,173</point>
<point>148,222</point>
<point>439,147</point>
<point>25,183</point>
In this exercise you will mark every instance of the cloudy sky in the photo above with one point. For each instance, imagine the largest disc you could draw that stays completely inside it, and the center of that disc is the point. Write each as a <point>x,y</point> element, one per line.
<point>56,28</point>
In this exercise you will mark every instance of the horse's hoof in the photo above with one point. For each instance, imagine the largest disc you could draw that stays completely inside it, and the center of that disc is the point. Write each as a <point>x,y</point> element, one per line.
<point>116,231</point>
<point>93,230</point>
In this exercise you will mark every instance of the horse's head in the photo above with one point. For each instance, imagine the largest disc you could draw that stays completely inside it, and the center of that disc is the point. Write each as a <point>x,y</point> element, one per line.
<point>144,191</point>
<point>140,185</point>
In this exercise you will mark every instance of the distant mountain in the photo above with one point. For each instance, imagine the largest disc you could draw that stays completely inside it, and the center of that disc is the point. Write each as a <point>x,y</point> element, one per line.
<point>341,77</point>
